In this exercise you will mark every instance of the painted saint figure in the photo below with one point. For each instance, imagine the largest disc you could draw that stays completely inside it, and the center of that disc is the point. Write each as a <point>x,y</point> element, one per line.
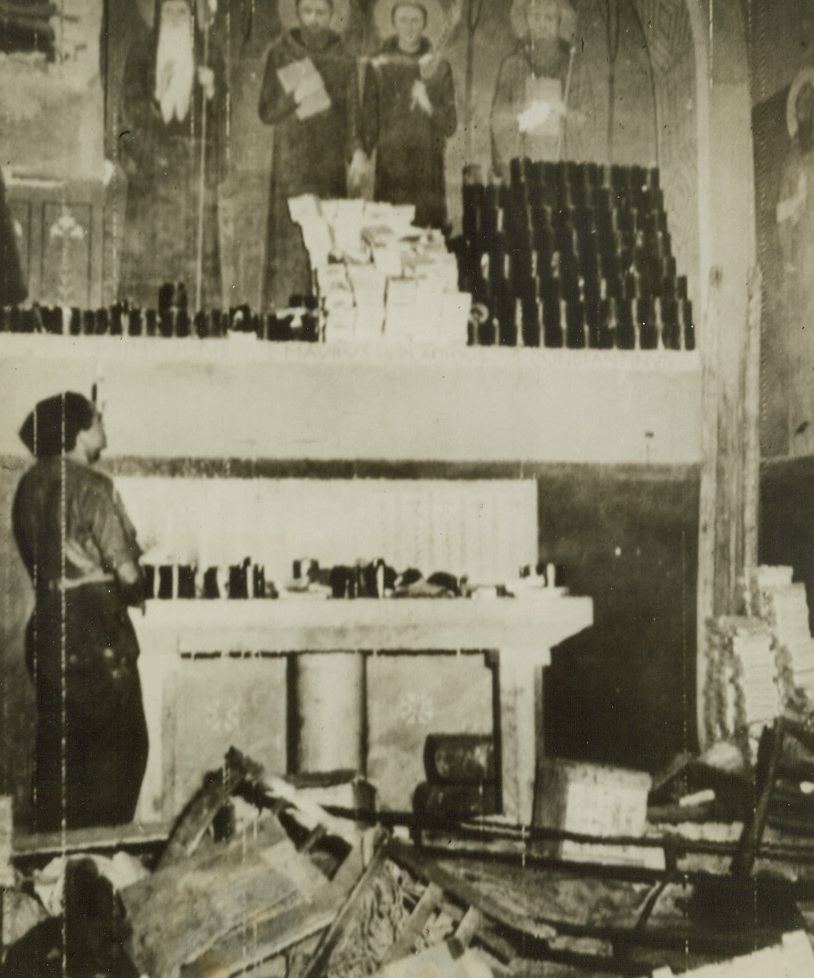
<point>173,111</point>
<point>409,113</point>
<point>528,107</point>
<point>310,95</point>
<point>795,209</point>
<point>12,286</point>
<point>795,227</point>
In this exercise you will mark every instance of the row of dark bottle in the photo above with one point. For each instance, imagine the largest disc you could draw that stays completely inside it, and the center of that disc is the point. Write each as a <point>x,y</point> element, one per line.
<point>562,173</point>
<point>635,324</point>
<point>564,197</point>
<point>563,276</point>
<point>576,255</point>
<point>170,581</point>
<point>123,320</point>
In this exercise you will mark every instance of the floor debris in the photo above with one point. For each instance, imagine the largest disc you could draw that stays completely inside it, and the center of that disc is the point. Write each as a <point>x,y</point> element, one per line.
<point>257,878</point>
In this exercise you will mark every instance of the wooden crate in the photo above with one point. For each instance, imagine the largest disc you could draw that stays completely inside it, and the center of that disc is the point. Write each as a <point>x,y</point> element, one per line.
<point>597,800</point>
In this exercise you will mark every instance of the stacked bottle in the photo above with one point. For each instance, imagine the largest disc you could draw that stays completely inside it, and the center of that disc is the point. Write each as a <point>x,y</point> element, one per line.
<point>574,255</point>
<point>125,320</point>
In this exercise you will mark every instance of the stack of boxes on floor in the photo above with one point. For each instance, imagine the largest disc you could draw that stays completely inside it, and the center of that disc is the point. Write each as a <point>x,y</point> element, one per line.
<point>784,607</point>
<point>378,277</point>
<point>576,255</point>
<point>594,800</point>
<point>759,667</point>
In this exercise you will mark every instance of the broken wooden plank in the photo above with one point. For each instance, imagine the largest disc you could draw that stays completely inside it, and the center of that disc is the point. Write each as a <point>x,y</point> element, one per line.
<point>38,846</point>
<point>251,945</point>
<point>469,926</point>
<point>193,823</point>
<point>769,752</point>
<point>428,903</point>
<point>182,911</point>
<point>344,919</point>
<point>541,928</point>
<point>430,872</point>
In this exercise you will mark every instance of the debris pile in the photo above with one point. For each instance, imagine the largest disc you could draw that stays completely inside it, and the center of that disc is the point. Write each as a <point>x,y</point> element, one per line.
<point>256,878</point>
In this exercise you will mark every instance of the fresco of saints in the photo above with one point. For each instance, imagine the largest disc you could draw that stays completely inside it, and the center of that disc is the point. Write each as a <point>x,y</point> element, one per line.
<point>12,286</point>
<point>173,111</point>
<point>409,113</point>
<point>528,107</point>
<point>795,209</point>
<point>310,95</point>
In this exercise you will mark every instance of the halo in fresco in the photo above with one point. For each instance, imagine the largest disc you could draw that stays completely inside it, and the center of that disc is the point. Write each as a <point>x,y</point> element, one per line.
<point>568,24</point>
<point>287,11</point>
<point>438,19</point>
<point>803,77</point>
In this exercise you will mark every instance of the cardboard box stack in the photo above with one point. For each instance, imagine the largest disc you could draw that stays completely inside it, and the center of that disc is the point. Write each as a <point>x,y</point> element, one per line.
<point>741,689</point>
<point>783,606</point>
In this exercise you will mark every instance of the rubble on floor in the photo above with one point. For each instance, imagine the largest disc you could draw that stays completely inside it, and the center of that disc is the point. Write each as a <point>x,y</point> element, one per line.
<point>257,878</point>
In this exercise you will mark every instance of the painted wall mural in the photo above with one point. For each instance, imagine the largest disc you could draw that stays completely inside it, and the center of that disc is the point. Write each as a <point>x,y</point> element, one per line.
<point>621,76</point>
<point>441,105</point>
<point>51,101</point>
<point>784,185</point>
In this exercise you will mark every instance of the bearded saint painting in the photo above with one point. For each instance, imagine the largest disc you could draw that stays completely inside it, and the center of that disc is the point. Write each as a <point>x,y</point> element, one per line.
<point>532,86</point>
<point>173,151</point>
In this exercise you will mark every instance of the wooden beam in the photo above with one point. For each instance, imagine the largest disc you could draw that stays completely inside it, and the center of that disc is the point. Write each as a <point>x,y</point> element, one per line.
<point>751,428</point>
<point>707,501</point>
<point>404,944</point>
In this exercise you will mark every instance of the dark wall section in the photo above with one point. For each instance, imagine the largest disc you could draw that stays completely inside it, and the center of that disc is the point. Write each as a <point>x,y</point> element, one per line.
<point>621,692</point>
<point>787,520</point>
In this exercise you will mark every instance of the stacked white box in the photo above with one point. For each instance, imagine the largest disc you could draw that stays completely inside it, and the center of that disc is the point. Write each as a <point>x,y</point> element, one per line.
<point>757,699</point>
<point>398,281</point>
<point>784,606</point>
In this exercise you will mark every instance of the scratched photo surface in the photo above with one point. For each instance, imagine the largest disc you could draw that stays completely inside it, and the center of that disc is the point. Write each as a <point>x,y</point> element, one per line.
<point>391,393</point>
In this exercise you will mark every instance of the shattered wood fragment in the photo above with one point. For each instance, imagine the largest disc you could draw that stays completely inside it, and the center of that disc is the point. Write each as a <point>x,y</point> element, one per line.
<point>197,817</point>
<point>537,930</point>
<point>769,752</point>
<point>428,903</point>
<point>469,926</point>
<point>345,919</point>
<point>249,946</point>
<point>184,910</point>
<point>471,896</point>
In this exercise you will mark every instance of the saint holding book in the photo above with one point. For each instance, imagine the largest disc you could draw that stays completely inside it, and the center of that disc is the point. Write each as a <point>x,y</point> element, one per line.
<point>310,95</point>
